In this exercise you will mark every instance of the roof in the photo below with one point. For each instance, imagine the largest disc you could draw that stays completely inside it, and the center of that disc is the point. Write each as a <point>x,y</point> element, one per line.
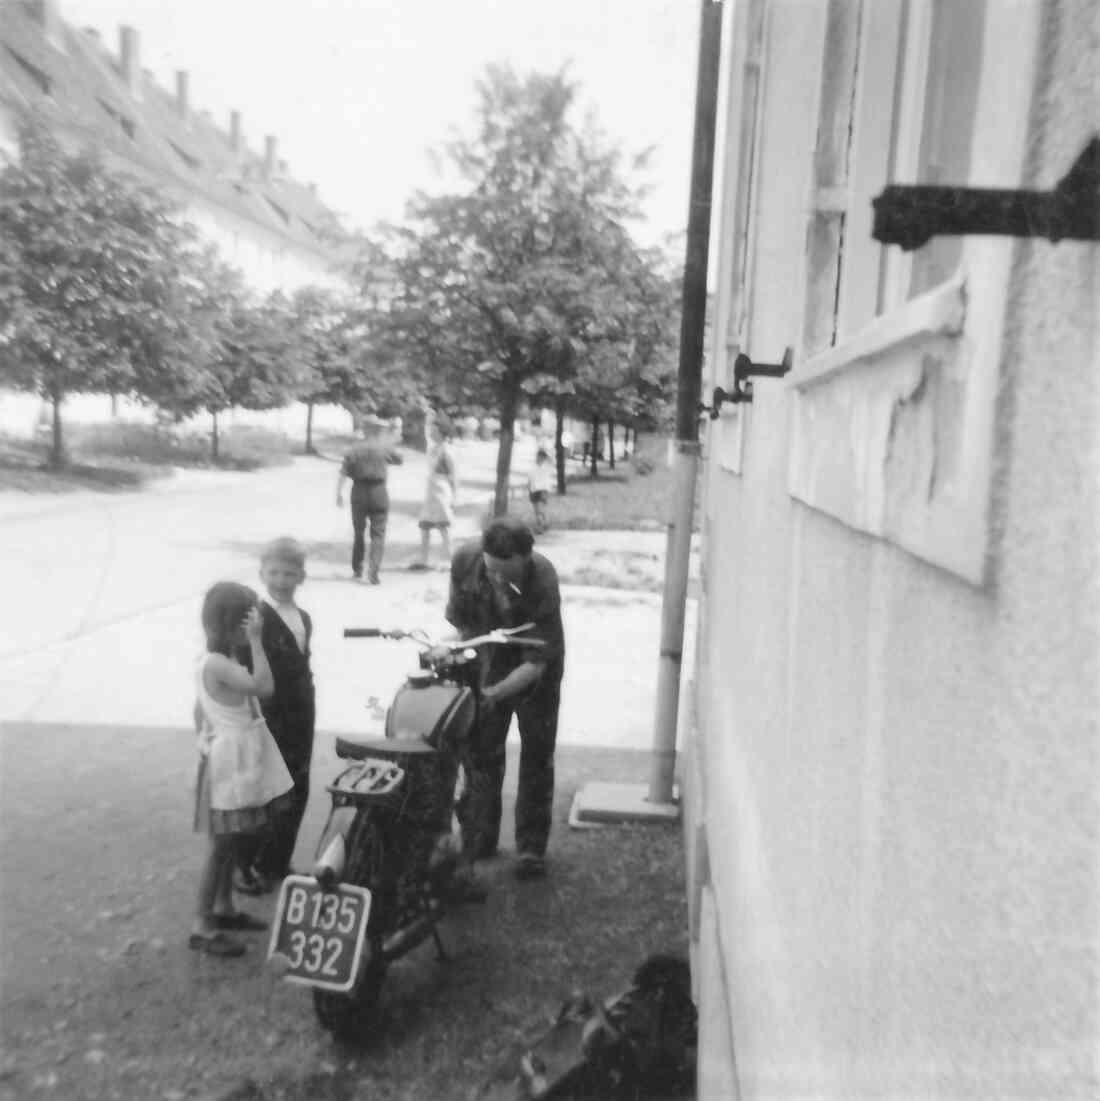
<point>76,83</point>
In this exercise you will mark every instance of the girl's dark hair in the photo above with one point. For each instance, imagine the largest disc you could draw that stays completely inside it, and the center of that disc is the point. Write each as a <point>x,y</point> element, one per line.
<point>505,536</point>
<point>223,608</point>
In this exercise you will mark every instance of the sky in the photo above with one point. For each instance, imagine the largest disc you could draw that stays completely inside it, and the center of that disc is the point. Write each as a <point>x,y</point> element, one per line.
<point>358,91</point>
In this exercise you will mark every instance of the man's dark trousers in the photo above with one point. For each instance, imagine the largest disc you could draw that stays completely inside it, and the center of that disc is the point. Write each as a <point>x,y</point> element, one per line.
<point>369,502</point>
<point>480,808</point>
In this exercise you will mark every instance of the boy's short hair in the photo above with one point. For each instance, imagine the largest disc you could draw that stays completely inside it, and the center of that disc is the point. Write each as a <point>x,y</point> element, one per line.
<point>286,550</point>
<point>542,453</point>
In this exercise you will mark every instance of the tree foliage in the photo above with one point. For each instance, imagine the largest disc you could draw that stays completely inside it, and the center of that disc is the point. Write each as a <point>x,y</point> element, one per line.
<point>89,267</point>
<point>521,283</point>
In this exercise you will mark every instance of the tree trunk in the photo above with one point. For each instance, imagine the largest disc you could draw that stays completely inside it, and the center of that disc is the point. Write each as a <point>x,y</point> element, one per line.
<point>57,447</point>
<point>309,428</point>
<point>214,435</point>
<point>594,446</point>
<point>559,447</point>
<point>611,444</point>
<point>508,402</point>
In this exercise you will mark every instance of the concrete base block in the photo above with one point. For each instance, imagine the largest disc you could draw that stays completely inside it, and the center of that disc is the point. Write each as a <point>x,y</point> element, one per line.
<point>600,804</point>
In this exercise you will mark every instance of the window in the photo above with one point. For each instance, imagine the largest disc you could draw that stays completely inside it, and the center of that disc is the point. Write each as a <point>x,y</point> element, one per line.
<point>893,426</point>
<point>947,61</point>
<point>745,88</point>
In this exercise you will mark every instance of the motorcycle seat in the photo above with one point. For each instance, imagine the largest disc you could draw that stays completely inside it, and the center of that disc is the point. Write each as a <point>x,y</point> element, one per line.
<point>354,748</point>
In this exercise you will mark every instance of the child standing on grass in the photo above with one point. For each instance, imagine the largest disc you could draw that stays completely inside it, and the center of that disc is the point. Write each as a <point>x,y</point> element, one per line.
<point>242,778</point>
<point>538,489</point>
<point>290,710</point>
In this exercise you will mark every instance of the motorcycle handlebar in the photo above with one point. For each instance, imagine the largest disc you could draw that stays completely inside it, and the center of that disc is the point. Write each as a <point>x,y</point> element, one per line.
<point>499,637</point>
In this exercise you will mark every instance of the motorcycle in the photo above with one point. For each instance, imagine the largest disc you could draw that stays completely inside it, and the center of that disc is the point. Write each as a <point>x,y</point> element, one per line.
<point>388,852</point>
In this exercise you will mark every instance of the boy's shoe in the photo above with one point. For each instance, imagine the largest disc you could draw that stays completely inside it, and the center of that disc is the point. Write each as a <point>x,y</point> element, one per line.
<point>530,866</point>
<point>251,882</point>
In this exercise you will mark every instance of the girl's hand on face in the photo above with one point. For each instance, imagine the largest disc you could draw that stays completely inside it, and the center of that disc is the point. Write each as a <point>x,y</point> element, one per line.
<point>253,625</point>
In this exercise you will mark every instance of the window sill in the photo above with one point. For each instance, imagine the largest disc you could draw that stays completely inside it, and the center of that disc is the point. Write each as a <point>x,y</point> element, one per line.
<point>891,430</point>
<point>940,312</point>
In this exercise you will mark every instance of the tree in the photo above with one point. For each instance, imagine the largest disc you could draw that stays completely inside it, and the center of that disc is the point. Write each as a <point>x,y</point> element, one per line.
<point>88,265</point>
<point>228,349</point>
<point>253,365</point>
<point>328,343</point>
<point>501,288</point>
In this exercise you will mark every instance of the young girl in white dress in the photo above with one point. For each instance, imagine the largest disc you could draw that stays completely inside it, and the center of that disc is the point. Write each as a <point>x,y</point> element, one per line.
<point>242,779</point>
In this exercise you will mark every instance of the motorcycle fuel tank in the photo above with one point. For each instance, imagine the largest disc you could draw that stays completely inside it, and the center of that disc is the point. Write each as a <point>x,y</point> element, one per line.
<point>430,712</point>
<point>426,714</point>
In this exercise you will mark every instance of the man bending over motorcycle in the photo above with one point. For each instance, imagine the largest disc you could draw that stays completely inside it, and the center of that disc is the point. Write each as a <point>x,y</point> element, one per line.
<point>499,580</point>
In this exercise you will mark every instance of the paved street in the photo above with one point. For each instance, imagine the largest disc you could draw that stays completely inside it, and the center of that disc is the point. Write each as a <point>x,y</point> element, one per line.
<point>101,623</point>
<point>97,644</point>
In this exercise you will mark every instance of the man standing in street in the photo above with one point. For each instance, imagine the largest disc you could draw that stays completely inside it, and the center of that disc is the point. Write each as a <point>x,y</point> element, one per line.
<point>367,465</point>
<point>500,581</point>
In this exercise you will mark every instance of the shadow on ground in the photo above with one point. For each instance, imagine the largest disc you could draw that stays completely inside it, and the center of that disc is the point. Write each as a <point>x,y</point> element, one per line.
<point>102,999</point>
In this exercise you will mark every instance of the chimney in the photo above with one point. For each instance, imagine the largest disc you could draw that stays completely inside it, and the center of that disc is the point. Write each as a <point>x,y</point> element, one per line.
<point>282,166</point>
<point>270,146</point>
<point>48,17</point>
<point>312,188</point>
<point>183,81</point>
<point>128,58</point>
<point>236,141</point>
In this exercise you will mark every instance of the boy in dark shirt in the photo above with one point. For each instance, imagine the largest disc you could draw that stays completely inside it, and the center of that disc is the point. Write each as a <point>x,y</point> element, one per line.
<point>290,711</point>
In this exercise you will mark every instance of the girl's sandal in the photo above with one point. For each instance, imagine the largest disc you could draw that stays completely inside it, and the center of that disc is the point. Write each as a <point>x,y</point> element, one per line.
<point>239,922</point>
<point>215,944</point>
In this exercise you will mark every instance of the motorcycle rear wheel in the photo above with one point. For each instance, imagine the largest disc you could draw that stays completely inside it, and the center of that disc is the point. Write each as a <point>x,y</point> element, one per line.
<point>350,1017</point>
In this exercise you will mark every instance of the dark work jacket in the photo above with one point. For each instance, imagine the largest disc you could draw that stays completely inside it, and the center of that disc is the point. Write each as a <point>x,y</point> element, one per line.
<point>471,607</point>
<point>290,711</point>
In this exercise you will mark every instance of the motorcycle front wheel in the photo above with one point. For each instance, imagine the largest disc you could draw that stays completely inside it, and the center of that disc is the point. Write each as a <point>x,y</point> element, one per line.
<point>350,1017</point>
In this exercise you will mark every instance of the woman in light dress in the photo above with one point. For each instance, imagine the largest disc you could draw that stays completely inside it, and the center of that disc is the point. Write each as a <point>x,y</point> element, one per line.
<point>438,510</point>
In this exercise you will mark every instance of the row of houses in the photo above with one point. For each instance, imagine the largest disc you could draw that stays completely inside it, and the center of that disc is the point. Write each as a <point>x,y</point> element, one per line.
<point>275,229</point>
<point>892,775</point>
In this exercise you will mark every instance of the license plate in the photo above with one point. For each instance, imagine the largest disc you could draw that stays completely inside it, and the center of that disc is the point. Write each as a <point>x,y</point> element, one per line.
<point>317,937</point>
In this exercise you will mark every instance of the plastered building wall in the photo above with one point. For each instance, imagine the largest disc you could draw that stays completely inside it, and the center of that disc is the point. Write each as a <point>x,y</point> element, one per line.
<point>893,788</point>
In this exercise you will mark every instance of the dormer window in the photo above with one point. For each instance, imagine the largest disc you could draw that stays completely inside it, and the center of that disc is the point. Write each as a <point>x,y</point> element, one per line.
<point>125,124</point>
<point>278,209</point>
<point>40,78</point>
<point>188,159</point>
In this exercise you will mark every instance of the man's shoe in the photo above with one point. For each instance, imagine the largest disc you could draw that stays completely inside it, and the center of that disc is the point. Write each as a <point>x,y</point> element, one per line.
<point>530,866</point>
